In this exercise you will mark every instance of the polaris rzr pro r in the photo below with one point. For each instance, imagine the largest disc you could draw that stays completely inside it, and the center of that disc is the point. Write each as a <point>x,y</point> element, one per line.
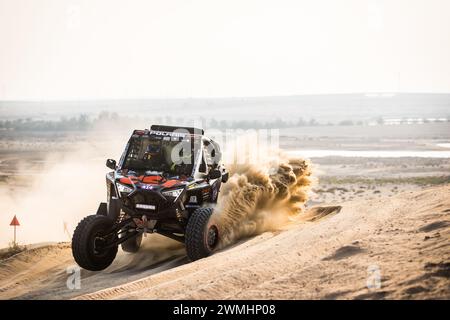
<point>165,182</point>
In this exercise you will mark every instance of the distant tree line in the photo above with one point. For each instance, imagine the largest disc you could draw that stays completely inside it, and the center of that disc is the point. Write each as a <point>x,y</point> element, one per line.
<point>83,122</point>
<point>80,123</point>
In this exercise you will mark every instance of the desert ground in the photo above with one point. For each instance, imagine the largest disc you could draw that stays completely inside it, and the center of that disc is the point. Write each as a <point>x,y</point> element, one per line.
<point>327,253</point>
<point>373,228</point>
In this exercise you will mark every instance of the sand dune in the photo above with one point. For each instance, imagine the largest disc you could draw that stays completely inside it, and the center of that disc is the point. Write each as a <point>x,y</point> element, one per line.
<point>42,273</point>
<point>328,253</point>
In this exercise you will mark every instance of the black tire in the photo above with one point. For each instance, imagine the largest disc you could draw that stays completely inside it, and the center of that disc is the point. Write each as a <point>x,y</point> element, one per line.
<point>132,245</point>
<point>88,231</point>
<point>202,234</point>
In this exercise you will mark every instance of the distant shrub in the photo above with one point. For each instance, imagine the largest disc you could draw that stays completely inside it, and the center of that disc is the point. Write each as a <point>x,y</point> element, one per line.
<point>13,249</point>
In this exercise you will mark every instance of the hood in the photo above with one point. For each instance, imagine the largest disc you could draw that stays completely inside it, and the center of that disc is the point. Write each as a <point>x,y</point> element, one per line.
<point>151,182</point>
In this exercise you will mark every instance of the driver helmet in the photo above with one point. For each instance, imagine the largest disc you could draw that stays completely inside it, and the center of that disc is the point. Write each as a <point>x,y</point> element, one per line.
<point>153,149</point>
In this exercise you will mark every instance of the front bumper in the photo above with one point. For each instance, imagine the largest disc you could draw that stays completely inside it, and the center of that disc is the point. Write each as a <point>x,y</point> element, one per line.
<point>164,208</point>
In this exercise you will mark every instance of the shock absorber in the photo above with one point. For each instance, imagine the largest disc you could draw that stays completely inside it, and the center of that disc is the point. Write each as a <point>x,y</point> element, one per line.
<point>144,223</point>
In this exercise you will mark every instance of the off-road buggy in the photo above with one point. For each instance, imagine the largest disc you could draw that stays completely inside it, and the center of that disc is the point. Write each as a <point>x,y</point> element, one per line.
<point>165,182</point>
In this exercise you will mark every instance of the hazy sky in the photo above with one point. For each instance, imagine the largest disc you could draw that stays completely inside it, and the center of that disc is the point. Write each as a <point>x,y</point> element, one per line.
<point>67,49</point>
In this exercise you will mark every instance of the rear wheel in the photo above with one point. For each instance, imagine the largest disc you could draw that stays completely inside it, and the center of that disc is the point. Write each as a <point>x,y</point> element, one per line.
<point>90,243</point>
<point>202,234</point>
<point>133,244</point>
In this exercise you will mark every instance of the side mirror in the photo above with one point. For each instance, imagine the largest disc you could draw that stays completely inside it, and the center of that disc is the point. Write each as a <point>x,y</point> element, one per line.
<point>225,177</point>
<point>110,163</point>
<point>215,174</point>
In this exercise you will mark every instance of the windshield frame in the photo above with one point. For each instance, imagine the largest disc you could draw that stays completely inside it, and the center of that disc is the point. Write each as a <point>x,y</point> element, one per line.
<point>194,140</point>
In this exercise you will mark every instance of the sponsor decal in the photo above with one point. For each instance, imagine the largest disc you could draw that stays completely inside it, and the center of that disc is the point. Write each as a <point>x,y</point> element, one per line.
<point>170,134</point>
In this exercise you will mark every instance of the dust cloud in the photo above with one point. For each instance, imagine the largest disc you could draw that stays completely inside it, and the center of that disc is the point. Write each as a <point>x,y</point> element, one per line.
<point>259,198</point>
<point>154,249</point>
<point>49,202</point>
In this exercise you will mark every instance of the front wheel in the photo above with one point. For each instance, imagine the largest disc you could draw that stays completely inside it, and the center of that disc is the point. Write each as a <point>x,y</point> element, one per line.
<point>202,234</point>
<point>90,243</point>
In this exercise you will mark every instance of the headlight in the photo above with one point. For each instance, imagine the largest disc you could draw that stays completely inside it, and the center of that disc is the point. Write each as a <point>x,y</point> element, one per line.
<point>123,188</point>
<point>173,193</point>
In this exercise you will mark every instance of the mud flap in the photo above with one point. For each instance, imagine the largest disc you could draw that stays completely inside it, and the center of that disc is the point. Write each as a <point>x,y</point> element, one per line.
<point>102,209</point>
<point>113,210</point>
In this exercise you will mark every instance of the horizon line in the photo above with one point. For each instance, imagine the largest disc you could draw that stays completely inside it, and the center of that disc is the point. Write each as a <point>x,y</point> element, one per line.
<point>369,94</point>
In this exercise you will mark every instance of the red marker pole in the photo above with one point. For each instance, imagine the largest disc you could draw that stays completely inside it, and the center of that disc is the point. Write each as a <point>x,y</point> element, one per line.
<point>15,223</point>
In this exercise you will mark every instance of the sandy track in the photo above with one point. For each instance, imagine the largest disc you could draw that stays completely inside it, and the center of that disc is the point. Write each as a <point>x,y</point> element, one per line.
<point>406,237</point>
<point>42,273</point>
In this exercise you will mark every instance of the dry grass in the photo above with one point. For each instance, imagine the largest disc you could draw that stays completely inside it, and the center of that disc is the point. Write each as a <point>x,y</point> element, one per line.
<point>13,249</point>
